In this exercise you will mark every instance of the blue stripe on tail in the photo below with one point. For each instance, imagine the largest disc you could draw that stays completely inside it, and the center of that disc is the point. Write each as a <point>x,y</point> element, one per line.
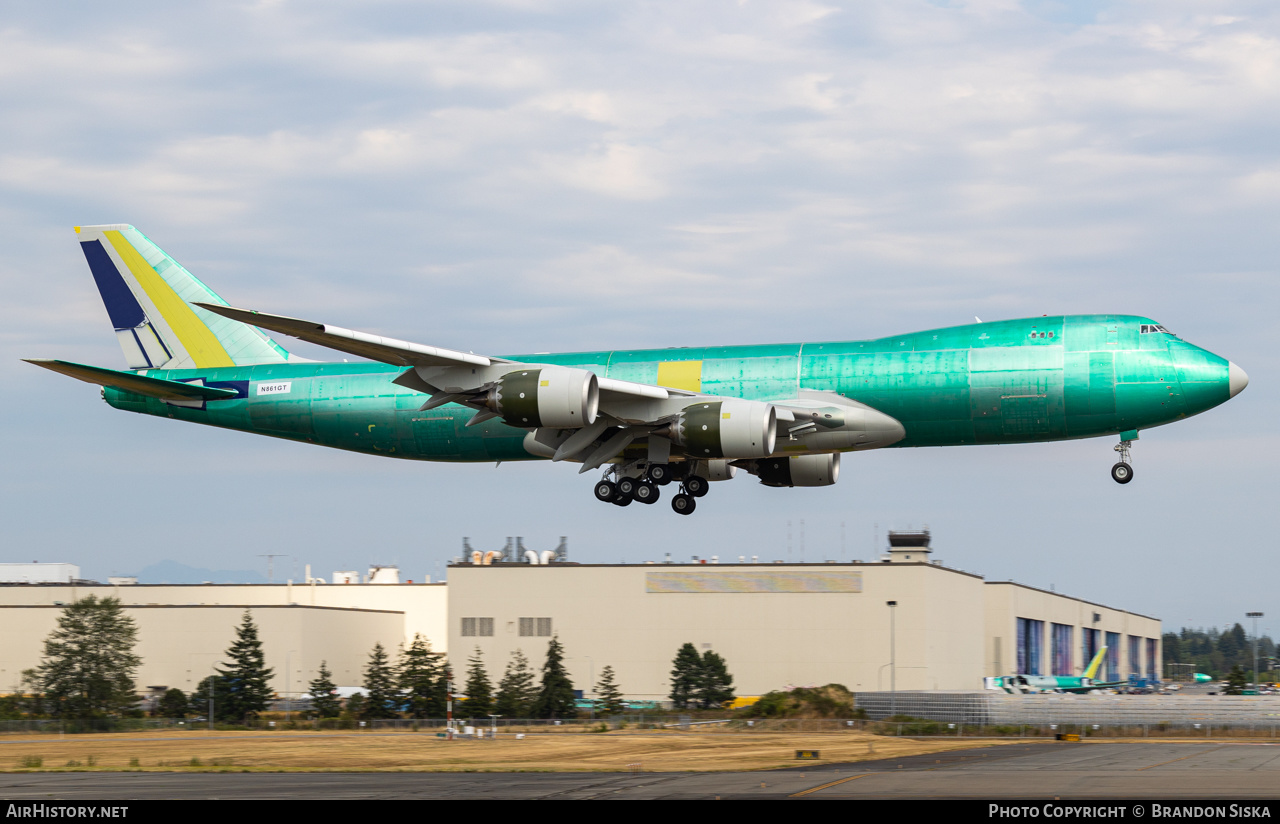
<point>122,307</point>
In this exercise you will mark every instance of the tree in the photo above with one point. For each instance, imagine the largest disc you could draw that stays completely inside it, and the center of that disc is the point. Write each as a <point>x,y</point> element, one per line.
<point>715,684</point>
<point>1237,681</point>
<point>382,698</point>
<point>479,690</point>
<point>88,665</point>
<point>686,672</point>
<point>516,691</point>
<point>355,706</point>
<point>324,694</point>
<point>555,697</point>
<point>607,692</point>
<point>422,679</point>
<point>248,679</point>
<point>216,686</point>
<point>173,704</point>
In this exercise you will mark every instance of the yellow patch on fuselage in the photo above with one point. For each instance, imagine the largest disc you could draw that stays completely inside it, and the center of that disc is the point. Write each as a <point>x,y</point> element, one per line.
<point>201,344</point>
<point>685,375</point>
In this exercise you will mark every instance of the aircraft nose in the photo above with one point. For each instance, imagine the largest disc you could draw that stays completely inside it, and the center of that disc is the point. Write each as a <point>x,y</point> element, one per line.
<point>1236,378</point>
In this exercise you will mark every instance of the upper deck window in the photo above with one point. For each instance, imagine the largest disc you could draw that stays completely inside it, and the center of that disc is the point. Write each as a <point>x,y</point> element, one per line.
<point>1153,327</point>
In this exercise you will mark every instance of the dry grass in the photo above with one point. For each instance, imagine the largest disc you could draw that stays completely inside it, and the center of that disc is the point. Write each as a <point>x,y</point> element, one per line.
<point>307,751</point>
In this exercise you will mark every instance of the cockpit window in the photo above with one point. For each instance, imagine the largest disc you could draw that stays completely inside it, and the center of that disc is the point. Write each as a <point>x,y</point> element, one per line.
<point>1148,328</point>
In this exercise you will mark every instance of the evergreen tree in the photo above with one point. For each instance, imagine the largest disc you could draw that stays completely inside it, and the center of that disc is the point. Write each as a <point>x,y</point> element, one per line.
<point>479,690</point>
<point>715,684</point>
<point>686,672</point>
<point>555,697</point>
<point>382,699</point>
<point>199,701</point>
<point>248,679</point>
<point>173,704</point>
<point>422,679</point>
<point>355,706</point>
<point>324,694</point>
<point>88,665</point>
<point>1237,681</point>
<point>516,690</point>
<point>608,694</point>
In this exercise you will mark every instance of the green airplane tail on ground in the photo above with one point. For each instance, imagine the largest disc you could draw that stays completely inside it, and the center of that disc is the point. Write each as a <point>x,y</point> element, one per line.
<point>150,299</point>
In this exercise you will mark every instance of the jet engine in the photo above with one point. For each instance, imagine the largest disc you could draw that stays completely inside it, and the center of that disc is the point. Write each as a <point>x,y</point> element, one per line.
<point>552,396</point>
<point>731,429</point>
<point>800,470</point>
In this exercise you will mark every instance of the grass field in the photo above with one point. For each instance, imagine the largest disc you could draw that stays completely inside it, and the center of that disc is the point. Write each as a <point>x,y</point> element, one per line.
<point>366,751</point>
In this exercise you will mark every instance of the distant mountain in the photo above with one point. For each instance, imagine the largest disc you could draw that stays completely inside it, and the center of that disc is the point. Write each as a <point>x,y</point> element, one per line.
<point>172,572</point>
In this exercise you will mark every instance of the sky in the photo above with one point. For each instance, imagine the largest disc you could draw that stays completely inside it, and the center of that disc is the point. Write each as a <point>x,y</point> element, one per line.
<point>556,176</point>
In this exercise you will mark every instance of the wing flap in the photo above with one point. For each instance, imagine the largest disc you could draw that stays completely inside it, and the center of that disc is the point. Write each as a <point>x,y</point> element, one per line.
<point>138,384</point>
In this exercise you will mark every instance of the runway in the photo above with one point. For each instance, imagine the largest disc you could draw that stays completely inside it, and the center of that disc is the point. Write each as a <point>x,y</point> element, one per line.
<point>1042,771</point>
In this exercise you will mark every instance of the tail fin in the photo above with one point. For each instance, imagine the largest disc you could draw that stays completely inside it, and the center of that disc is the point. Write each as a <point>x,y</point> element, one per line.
<point>148,297</point>
<point>1095,664</point>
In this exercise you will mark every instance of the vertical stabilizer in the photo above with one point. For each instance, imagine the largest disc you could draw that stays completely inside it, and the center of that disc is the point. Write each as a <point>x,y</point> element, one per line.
<point>1095,664</point>
<point>149,299</point>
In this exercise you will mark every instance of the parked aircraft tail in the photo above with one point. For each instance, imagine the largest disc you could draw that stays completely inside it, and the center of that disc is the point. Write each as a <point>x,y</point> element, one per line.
<point>1095,664</point>
<point>149,299</point>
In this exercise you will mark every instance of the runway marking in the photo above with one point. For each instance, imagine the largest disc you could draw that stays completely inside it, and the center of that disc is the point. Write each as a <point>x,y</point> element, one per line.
<point>1183,758</point>
<point>828,784</point>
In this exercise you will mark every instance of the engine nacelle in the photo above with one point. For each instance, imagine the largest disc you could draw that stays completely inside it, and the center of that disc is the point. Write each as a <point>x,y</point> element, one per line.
<point>800,470</point>
<point>731,429</point>
<point>555,397</point>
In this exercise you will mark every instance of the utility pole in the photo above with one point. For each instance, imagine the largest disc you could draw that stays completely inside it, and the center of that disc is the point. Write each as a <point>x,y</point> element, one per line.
<point>893,660</point>
<point>1255,616</point>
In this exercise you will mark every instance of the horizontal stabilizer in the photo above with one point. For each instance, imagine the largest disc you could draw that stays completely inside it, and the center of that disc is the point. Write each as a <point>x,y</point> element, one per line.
<point>138,384</point>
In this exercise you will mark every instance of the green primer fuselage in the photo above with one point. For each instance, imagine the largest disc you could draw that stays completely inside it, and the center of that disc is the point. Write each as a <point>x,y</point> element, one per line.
<point>1015,381</point>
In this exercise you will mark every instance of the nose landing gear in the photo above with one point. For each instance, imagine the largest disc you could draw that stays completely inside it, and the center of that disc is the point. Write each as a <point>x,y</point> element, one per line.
<point>1122,472</point>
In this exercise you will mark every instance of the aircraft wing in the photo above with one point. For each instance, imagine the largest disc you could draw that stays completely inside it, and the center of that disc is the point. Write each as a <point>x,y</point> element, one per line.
<point>574,414</point>
<point>360,344</point>
<point>406,353</point>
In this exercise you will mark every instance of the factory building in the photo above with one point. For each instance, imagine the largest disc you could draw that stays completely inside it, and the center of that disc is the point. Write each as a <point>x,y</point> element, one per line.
<point>904,622</point>
<point>185,629</point>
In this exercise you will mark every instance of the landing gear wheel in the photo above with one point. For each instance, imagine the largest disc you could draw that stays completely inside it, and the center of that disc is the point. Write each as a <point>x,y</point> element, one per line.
<point>622,500</point>
<point>684,504</point>
<point>606,491</point>
<point>1122,473</point>
<point>646,493</point>
<point>627,486</point>
<point>696,485</point>
<point>661,474</point>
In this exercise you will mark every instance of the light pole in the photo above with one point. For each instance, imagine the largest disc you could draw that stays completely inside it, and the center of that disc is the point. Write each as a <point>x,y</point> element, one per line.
<point>893,660</point>
<point>1255,616</point>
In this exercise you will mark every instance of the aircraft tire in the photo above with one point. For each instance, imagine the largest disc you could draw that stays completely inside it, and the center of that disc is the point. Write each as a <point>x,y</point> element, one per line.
<point>1122,473</point>
<point>660,474</point>
<point>606,491</point>
<point>622,500</point>
<point>627,486</point>
<point>696,485</point>
<point>684,504</point>
<point>646,493</point>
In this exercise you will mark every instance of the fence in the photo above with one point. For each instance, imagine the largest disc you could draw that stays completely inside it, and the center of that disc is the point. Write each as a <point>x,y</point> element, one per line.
<point>983,714</point>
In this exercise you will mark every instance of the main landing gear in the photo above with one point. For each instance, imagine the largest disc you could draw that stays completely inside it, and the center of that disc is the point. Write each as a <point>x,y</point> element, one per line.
<point>645,488</point>
<point>1122,472</point>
